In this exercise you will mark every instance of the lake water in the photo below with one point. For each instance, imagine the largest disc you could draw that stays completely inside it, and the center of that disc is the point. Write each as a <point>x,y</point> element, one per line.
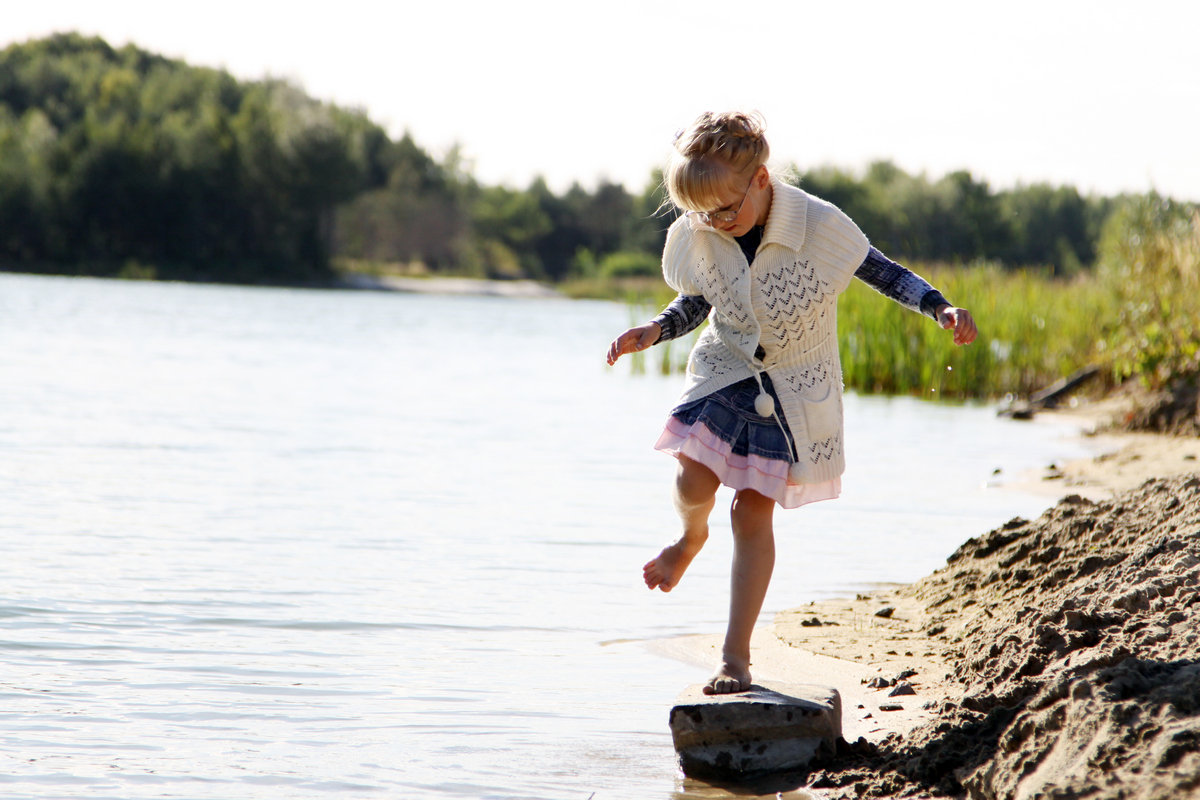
<point>268,543</point>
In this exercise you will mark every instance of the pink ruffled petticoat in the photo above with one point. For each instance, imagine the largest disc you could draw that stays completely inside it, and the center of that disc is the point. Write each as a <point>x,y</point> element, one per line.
<point>767,476</point>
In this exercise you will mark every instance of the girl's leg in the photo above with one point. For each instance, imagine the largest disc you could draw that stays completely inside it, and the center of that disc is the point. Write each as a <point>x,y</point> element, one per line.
<point>753,563</point>
<point>695,493</point>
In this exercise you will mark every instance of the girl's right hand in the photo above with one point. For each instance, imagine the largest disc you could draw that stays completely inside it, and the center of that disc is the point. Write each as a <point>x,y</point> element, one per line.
<point>633,340</point>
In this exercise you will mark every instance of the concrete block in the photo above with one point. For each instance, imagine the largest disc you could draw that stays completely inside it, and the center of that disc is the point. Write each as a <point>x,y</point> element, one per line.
<point>772,727</point>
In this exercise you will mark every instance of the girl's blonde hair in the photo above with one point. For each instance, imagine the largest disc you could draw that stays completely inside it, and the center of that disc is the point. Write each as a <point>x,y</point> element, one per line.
<point>709,152</point>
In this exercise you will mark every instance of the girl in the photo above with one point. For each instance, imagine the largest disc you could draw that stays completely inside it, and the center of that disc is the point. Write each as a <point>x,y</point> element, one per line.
<point>761,410</point>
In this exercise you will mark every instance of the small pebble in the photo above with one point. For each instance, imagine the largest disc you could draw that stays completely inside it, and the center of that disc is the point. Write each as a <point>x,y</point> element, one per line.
<point>902,688</point>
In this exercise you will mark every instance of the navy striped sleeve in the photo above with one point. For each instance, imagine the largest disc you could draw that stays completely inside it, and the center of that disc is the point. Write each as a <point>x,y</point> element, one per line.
<point>900,284</point>
<point>684,314</point>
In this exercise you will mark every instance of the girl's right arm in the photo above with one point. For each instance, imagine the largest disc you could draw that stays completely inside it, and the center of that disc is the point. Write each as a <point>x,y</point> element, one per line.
<point>683,315</point>
<point>633,340</point>
<point>685,312</point>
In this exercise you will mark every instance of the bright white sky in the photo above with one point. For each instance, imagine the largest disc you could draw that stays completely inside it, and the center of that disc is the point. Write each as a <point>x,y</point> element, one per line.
<point>1100,95</point>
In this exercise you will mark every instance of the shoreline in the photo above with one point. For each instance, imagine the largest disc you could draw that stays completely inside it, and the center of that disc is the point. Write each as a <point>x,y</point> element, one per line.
<point>846,643</point>
<point>1121,460</point>
<point>473,287</point>
<point>848,649</point>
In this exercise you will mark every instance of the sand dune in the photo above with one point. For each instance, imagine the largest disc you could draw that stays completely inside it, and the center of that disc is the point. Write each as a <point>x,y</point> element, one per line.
<point>1057,657</point>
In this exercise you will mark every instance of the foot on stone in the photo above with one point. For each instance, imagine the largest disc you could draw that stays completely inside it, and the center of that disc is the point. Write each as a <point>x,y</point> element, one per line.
<point>665,571</point>
<point>728,679</point>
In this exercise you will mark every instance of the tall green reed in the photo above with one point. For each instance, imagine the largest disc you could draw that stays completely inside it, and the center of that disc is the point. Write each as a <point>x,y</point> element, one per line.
<point>1033,330</point>
<point>1150,263</point>
<point>1137,315</point>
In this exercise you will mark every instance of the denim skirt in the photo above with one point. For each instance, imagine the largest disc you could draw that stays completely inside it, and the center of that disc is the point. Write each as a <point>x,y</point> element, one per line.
<point>745,450</point>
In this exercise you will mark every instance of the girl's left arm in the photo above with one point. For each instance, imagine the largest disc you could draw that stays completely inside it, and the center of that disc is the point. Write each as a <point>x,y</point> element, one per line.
<point>914,292</point>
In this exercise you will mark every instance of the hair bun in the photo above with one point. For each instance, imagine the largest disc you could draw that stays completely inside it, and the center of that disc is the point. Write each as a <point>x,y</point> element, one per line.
<point>713,132</point>
<point>708,150</point>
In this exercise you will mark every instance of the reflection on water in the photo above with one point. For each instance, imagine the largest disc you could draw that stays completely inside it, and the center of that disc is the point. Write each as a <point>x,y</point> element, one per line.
<point>783,787</point>
<point>264,543</point>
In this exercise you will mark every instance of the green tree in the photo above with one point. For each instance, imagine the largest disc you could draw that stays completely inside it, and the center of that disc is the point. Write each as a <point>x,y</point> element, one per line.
<point>513,220</point>
<point>114,156</point>
<point>1052,227</point>
<point>417,214</point>
<point>563,238</point>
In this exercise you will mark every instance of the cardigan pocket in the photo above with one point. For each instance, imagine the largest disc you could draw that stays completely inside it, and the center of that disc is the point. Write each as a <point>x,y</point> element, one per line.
<point>824,417</point>
<point>814,412</point>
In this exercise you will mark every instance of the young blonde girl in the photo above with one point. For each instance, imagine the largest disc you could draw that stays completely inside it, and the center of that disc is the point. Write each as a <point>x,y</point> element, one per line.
<point>761,410</point>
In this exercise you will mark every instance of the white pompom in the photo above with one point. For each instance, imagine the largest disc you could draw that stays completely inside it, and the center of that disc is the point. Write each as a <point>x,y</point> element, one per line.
<point>764,405</point>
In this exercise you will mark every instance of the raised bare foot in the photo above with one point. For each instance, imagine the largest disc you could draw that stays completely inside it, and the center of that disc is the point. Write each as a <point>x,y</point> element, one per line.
<point>665,571</point>
<point>731,677</point>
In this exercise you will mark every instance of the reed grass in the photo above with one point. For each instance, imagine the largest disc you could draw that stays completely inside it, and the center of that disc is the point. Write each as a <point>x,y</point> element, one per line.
<point>1136,315</point>
<point>1150,263</point>
<point>1033,330</point>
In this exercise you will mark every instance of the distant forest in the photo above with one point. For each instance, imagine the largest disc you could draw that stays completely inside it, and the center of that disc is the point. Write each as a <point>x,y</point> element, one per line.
<point>122,162</point>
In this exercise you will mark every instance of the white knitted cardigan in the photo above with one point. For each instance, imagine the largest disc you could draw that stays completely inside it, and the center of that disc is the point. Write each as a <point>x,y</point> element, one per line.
<point>786,301</point>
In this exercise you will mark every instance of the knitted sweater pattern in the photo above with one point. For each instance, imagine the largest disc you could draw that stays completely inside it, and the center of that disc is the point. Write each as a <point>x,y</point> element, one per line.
<point>785,301</point>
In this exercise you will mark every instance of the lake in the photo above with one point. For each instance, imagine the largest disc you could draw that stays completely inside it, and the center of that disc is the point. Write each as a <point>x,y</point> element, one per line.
<point>273,543</point>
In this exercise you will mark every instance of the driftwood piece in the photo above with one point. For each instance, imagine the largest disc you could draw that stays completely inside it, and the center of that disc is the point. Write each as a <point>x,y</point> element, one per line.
<point>1051,395</point>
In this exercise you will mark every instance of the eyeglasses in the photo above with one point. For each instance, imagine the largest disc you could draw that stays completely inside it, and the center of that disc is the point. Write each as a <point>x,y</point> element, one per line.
<point>726,217</point>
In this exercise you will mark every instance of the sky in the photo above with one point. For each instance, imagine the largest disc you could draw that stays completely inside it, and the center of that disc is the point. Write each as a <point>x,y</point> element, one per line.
<point>1099,95</point>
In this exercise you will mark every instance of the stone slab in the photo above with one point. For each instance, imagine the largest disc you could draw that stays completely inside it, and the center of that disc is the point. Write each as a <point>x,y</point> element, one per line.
<point>772,727</point>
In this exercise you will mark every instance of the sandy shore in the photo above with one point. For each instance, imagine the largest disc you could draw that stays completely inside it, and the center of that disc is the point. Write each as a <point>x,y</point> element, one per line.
<point>929,634</point>
<point>1120,461</point>
<point>849,649</point>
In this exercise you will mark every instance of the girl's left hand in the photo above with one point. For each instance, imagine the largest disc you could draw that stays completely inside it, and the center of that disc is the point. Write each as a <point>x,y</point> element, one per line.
<point>959,320</point>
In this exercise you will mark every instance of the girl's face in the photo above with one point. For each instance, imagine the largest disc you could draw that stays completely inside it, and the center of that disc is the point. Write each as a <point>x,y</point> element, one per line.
<point>743,207</point>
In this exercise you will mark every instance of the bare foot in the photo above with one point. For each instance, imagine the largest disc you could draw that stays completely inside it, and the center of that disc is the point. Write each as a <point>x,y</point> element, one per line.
<point>665,571</point>
<point>731,677</point>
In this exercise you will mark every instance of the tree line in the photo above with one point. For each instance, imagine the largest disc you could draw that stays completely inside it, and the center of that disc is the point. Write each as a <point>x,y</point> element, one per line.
<point>122,162</point>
